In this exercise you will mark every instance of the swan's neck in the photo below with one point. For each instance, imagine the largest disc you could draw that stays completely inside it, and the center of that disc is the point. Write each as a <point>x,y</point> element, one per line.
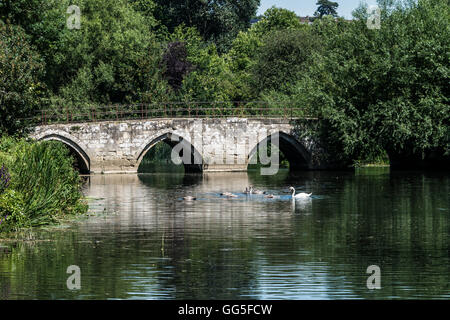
<point>293,192</point>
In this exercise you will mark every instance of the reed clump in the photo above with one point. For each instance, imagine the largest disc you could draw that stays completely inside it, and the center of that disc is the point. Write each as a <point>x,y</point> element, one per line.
<point>38,184</point>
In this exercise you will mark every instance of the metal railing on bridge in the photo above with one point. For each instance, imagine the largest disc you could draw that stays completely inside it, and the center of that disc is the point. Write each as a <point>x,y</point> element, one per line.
<point>161,110</point>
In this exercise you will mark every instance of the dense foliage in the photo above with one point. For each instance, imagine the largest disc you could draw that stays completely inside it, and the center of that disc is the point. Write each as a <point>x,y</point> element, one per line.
<point>384,89</point>
<point>376,91</point>
<point>175,63</point>
<point>282,58</point>
<point>326,8</point>
<point>20,71</point>
<point>216,20</point>
<point>38,184</point>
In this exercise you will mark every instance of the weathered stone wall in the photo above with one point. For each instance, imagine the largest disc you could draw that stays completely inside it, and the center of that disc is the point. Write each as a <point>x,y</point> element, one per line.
<point>219,144</point>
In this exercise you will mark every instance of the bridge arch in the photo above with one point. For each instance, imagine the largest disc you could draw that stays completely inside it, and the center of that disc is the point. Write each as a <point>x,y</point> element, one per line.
<point>81,157</point>
<point>192,163</point>
<point>298,156</point>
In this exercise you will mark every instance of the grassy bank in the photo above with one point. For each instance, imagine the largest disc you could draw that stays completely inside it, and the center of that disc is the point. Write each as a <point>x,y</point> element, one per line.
<point>376,159</point>
<point>38,184</point>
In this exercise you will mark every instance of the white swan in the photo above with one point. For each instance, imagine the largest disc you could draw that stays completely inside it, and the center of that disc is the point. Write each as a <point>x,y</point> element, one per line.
<point>299,195</point>
<point>189,198</point>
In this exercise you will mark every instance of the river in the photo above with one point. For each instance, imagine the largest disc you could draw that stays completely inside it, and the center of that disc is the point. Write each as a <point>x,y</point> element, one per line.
<point>142,241</point>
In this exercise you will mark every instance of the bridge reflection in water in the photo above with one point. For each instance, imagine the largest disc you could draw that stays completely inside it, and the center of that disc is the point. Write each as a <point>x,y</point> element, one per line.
<point>142,241</point>
<point>252,247</point>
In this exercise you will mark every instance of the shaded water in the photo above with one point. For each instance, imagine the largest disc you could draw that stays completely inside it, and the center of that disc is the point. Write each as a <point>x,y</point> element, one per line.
<point>143,242</point>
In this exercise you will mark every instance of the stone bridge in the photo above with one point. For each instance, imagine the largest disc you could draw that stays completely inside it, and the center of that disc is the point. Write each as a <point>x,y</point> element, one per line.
<point>225,144</point>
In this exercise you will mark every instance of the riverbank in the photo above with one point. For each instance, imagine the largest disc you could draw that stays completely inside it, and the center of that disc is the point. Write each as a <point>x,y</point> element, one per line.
<point>38,184</point>
<point>373,165</point>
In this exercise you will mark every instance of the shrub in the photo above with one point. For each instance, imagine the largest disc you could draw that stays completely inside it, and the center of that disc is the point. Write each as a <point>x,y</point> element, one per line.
<point>12,211</point>
<point>5,178</point>
<point>43,184</point>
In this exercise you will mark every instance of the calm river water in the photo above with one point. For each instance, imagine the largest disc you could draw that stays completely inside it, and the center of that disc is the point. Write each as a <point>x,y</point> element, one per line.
<point>141,241</point>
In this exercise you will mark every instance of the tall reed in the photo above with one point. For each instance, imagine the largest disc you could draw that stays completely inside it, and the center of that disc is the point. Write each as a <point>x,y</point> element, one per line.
<point>43,184</point>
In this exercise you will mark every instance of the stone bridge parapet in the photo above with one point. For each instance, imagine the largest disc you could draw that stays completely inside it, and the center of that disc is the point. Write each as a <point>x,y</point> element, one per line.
<point>212,144</point>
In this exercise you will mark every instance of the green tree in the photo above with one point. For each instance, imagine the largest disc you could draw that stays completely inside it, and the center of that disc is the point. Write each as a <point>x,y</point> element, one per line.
<point>216,20</point>
<point>242,55</point>
<point>23,12</point>
<point>44,21</point>
<point>21,70</point>
<point>282,57</point>
<point>276,19</point>
<point>326,8</point>
<point>210,78</point>
<point>384,89</point>
<point>114,57</point>
<point>147,7</point>
<point>414,109</point>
